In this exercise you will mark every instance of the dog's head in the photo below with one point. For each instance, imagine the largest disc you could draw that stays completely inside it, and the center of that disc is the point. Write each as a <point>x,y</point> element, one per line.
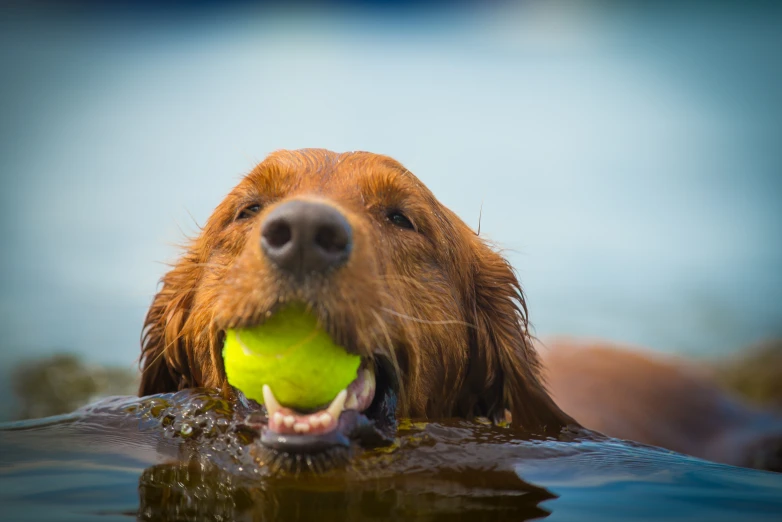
<point>436,314</point>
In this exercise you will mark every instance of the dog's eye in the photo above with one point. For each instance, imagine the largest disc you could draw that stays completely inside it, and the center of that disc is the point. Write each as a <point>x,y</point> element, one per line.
<point>248,211</point>
<point>400,220</point>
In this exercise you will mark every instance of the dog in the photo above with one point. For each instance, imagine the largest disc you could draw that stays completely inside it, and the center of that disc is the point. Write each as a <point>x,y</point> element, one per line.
<point>436,313</point>
<point>630,393</point>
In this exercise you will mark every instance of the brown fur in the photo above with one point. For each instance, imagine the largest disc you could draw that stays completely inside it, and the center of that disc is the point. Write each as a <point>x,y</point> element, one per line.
<point>663,401</point>
<point>438,302</point>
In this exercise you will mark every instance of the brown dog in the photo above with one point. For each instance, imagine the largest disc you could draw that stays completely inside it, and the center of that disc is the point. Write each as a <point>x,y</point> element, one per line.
<point>437,315</point>
<point>391,274</point>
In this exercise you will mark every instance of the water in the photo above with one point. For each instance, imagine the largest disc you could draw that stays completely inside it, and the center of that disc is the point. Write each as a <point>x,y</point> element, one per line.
<point>184,457</point>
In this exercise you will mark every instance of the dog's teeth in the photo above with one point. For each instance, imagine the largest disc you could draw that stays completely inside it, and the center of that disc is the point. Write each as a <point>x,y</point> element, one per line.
<point>352,402</point>
<point>272,405</point>
<point>369,384</point>
<point>301,427</point>
<point>338,404</point>
<point>325,419</point>
<point>314,421</point>
<point>278,417</point>
<point>288,420</point>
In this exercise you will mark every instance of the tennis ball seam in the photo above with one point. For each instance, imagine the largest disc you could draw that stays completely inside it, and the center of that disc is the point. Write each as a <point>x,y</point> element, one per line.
<point>282,353</point>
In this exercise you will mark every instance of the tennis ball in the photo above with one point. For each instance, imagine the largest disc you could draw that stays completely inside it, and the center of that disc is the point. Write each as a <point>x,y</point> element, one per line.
<point>293,355</point>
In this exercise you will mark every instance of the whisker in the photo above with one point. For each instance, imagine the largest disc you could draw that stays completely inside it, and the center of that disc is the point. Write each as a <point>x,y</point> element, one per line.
<point>195,222</point>
<point>155,359</point>
<point>392,356</point>
<point>425,321</point>
<point>398,276</point>
<point>403,279</point>
<point>480,215</point>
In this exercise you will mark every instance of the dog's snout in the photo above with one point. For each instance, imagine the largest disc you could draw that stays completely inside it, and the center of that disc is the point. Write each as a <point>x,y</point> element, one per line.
<point>304,237</point>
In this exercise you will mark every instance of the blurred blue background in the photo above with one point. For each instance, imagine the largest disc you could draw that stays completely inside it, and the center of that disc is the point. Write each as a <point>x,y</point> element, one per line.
<point>628,157</point>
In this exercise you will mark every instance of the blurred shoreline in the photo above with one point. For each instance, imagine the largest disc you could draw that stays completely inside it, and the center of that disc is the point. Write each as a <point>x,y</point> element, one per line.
<point>64,382</point>
<point>755,374</point>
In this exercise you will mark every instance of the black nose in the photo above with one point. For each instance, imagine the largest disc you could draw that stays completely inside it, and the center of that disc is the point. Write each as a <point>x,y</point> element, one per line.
<point>302,237</point>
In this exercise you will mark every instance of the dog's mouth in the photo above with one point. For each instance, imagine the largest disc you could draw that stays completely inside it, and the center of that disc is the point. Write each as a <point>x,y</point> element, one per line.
<point>363,413</point>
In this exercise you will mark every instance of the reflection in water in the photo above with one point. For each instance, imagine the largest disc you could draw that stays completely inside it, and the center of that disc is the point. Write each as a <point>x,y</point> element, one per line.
<point>427,472</point>
<point>194,456</point>
<point>192,491</point>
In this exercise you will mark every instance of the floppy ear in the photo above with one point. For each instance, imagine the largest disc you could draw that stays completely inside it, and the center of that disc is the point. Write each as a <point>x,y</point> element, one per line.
<point>166,342</point>
<point>504,369</point>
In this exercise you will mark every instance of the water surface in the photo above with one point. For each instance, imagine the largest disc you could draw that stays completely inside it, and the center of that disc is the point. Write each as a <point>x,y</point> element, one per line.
<point>186,456</point>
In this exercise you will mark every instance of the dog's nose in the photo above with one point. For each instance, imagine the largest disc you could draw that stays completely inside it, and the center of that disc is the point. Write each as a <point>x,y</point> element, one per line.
<point>302,237</point>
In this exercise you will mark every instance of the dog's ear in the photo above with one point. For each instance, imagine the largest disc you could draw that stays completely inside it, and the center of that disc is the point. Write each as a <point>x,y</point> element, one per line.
<point>168,362</point>
<point>504,372</point>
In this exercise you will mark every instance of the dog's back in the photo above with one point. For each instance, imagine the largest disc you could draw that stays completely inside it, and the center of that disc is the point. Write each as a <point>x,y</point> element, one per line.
<point>665,402</point>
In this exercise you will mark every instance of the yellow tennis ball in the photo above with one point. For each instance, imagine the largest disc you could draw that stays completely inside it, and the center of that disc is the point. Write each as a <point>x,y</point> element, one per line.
<point>293,355</point>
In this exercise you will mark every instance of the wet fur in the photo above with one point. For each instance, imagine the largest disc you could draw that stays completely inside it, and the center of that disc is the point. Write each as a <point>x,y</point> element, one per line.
<point>438,304</point>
